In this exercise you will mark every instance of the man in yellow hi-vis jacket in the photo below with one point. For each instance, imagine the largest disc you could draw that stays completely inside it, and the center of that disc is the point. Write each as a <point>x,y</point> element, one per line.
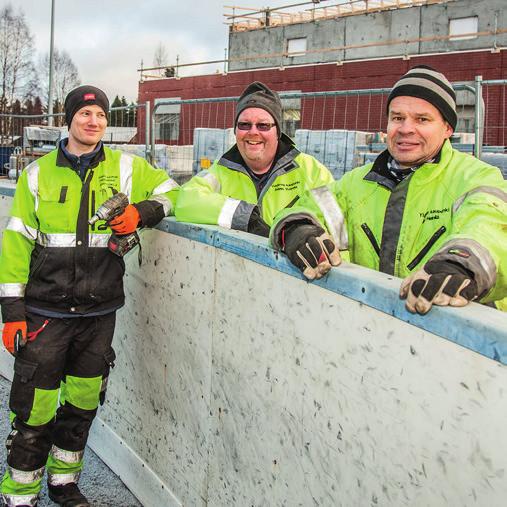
<point>422,211</point>
<point>60,287</point>
<point>260,175</point>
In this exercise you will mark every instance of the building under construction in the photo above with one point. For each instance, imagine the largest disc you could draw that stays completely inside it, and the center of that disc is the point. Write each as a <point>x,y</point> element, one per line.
<point>325,46</point>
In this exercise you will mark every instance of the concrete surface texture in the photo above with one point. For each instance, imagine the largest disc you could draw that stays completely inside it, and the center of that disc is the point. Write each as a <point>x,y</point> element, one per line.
<point>256,388</point>
<point>98,483</point>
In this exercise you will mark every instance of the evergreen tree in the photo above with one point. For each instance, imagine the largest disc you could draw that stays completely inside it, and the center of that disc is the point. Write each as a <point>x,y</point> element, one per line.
<point>37,105</point>
<point>115,115</point>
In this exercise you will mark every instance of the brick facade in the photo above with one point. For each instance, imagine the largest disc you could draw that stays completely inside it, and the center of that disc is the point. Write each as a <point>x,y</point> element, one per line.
<point>361,113</point>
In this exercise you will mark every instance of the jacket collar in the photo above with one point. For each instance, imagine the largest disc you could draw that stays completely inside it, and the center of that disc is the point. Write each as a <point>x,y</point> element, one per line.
<point>379,173</point>
<point>284,158</point>
<point>66,159</point>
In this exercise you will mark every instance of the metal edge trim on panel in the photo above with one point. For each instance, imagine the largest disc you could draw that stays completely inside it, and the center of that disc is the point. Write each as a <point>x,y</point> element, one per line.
<point>475,326</point>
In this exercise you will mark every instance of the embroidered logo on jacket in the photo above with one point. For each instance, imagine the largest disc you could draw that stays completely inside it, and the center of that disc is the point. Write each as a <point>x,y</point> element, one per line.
<point>432,214</point>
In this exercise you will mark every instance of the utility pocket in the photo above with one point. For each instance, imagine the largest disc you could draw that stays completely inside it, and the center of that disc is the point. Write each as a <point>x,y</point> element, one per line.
<point>23,388</point>
<point>371,237</point>
<point>109,358</point>
<point>426,248</point>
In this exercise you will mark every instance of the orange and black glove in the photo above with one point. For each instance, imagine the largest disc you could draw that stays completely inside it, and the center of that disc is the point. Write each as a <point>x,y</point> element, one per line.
<point>127,222</point>
<point>14,335</point>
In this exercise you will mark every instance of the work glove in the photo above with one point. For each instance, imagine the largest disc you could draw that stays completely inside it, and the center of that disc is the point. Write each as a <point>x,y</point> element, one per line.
<point>310,249</point>
<point>256,224</point>
<point>14,335</point>
<point>440,282</point>
<point>127,222</point>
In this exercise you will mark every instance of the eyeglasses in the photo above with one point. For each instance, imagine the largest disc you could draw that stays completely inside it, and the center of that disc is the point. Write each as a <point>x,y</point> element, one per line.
<point>262,127</point>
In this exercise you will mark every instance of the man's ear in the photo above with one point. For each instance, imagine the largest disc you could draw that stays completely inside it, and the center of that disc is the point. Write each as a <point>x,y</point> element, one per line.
<point>449,131</point>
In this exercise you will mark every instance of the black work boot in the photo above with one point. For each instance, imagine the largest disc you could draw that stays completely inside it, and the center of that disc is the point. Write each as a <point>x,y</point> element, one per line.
<point>68,495</point>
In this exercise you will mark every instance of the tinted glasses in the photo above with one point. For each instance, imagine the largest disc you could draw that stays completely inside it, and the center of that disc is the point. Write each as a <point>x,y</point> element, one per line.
<point>247,125</point>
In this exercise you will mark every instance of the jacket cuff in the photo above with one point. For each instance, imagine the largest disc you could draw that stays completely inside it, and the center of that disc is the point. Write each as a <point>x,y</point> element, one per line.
<point>150,212</point>
<point>242,215</point>
<point>473,257</point>
<point>13,309</point>
<point>275,235</point>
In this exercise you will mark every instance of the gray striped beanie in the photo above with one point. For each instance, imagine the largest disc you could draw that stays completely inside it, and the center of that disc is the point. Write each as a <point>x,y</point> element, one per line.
<point>426,83</point>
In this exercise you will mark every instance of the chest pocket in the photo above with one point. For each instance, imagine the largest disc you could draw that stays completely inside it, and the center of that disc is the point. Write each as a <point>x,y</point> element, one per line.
<point>56,211</point>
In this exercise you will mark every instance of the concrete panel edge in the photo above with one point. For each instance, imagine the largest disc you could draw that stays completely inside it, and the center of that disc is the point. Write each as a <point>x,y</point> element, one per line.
<point>129,467</point>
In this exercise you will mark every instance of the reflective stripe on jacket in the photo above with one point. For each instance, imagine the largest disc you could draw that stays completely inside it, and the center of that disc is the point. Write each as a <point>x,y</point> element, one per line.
<point>50,255</point>
<point>225,195</point>
<point>457,201</point>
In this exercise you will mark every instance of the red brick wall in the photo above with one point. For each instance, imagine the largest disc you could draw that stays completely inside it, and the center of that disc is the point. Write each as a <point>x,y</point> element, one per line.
<point>363,113</point>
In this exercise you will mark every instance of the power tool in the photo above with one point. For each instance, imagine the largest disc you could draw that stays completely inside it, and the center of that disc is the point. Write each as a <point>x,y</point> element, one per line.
<point>114,206</point>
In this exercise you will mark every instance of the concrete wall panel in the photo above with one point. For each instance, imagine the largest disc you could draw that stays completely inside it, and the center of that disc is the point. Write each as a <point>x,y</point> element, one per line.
<point>375,28</point>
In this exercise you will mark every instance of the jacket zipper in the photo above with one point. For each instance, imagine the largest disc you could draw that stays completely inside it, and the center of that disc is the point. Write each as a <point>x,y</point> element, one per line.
<point>371,237</point>
<point>426,248</point>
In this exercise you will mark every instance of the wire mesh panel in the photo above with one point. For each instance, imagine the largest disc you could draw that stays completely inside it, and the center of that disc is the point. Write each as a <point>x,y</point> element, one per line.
<point>24,138</point>
<point>494,149</point>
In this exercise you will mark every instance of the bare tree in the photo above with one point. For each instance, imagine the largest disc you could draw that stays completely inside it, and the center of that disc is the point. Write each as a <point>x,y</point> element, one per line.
<point>65,78</point>
<point>16,60</point>
<point>160,58</point>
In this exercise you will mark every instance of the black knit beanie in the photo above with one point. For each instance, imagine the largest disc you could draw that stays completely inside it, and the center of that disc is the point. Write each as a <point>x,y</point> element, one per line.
<point>259,95</point>
<point>81,96</point>
<point>426,83</point>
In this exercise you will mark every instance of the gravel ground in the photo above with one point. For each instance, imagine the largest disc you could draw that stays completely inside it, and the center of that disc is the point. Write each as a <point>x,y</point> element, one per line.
<point>98,483</point>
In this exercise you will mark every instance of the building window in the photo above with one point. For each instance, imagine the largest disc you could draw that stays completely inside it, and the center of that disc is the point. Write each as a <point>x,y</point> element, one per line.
<point>291,116</point>
<point>463,28</point>
<point>296,46</point>
<point>167,121</point>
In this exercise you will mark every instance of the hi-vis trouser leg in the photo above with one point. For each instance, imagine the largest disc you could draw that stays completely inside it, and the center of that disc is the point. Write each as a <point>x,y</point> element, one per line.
<point>66,366</point>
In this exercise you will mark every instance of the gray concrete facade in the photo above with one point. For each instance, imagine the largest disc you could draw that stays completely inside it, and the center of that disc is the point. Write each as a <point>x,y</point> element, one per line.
<point>390,33</point>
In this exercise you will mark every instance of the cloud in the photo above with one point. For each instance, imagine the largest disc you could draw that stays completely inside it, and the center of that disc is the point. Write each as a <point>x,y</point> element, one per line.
<point>108,39</point>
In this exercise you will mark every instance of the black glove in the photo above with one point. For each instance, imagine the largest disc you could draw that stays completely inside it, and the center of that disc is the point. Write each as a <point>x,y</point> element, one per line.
<point>440,282</point>
<point>310,249</point>
<point>256,224</point>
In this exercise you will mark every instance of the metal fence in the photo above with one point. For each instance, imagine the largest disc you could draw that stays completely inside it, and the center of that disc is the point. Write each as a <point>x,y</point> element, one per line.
<point>313,119</point>
<point>342,128</point>
<point>26,137</point>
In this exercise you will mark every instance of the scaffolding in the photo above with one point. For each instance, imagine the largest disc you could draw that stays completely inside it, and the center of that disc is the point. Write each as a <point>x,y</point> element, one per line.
<point>241,19</point>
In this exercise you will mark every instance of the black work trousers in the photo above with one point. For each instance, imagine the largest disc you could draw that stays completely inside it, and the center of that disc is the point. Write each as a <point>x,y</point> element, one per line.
<point>65,366</point>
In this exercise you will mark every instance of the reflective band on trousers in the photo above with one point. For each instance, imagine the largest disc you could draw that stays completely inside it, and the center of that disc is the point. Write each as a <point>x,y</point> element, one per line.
<point>62,479</point>
<point>24,477</point>
<point>211,179</point>
<point>66,240</point>
<point>67,456</point>
<point>12,290</point>
<point>17,225</point>
<point>15,500</point>
<point>228,209</point>
<point>333,215</point>
<point>32,173</point>
<point>126,162</point>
